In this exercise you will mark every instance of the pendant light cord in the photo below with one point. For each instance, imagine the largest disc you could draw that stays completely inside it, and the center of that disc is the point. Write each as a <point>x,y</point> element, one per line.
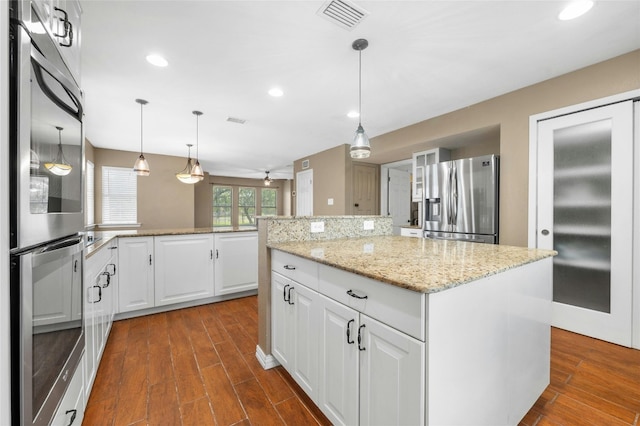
<point>197,139</point>
<point>141,127</point>
<point>360,87</point>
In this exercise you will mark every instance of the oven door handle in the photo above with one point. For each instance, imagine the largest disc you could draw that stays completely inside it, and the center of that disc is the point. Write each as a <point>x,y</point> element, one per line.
<point>59,249</point>
<point>41,63</point>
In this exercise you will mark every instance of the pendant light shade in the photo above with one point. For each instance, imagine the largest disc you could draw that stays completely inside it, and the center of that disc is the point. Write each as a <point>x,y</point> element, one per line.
<point>141,166</point>
<point>185,175</point>
<point>267,179</point>
<point>60,166</point>
<point>196,170</point>
<point>360,148</point>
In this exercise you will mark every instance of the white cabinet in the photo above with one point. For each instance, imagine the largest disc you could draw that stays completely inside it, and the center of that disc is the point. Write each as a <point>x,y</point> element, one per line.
<point>62,19</point>
<point>56,298</point>
<point>294,333</point>
<point>71,409</point>
<point>236,262</point>
<point>136,273</point>
<point>183,268</point>
<point>420,160</point>
<point>357,370</point>
<point>100,297</point>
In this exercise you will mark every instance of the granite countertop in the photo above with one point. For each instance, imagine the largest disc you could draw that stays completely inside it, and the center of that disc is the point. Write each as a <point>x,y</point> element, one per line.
<point>103,237</point>
<point>417,264</point>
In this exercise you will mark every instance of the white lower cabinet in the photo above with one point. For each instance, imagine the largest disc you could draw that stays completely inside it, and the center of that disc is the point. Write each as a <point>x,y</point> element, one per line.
<point>71,409</point>
<point>354,367</point>
<point>236,257</point>
<point>136,280</point>
<point>100,299</point>
<point>183,268</point>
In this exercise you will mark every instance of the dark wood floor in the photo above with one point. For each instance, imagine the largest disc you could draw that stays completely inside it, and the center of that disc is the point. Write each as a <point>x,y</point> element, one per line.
<point>197,366</point>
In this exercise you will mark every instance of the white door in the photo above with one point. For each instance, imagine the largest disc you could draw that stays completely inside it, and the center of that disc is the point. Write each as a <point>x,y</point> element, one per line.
<point>305,338</point>
<point>392,376</point>
<point>304,193</point>
<point>584,211</point>
<point>236,262</point>
<point>339,373</point>
<point>399,199</point>
<point>135,264</point>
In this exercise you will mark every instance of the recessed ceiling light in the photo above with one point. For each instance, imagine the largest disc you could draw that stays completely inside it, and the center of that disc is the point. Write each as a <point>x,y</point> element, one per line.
<point>157,60</point>
<point>353,114</point>
<point>575,9</point>
<point>276,92</point>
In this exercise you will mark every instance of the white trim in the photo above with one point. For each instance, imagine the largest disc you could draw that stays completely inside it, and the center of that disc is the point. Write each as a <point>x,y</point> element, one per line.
<point>119,225</point>
<point>635,325</point>
<point>266,361</point>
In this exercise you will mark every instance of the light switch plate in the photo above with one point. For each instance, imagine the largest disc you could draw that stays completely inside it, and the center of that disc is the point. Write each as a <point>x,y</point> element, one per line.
<point>317,227</point>
<point>368,225</point>
<point>330,201</point>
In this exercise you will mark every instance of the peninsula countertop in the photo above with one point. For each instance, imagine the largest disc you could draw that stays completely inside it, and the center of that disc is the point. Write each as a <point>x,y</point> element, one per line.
<point>101,238</point>
<point>421,265</point>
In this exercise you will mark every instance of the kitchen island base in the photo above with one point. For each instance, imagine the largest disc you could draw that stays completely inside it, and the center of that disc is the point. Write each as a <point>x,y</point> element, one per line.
<point>476,353</point>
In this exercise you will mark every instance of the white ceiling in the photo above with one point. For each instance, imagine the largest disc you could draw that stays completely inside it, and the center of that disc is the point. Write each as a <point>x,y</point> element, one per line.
<point>425,58</point>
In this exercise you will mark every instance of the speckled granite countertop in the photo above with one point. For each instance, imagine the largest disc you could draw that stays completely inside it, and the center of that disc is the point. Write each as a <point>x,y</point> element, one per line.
<point>417,264</point>
<point>103,237</point>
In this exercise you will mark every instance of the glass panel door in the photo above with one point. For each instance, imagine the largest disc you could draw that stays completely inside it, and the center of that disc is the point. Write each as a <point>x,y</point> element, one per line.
<point>584,211</point>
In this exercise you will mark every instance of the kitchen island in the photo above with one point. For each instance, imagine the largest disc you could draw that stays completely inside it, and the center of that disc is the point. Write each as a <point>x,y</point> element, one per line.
<point>395,330</point>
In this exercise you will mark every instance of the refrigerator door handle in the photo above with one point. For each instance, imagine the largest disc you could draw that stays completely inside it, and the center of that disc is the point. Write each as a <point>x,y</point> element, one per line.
<point>454,197</point>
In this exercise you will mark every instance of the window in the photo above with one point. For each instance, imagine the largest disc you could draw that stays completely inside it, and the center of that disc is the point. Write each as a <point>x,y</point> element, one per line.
<point>268,199</point>
<point>246,206</point>
<point>222,204</point>
<point>90,202</point>
<point>119,196</point>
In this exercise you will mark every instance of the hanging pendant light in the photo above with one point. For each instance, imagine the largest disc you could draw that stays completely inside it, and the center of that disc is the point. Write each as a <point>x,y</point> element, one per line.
<point>360,148</point>
<point>185,175</point>
<point>196,171</point>
<point>60,166</point>
<point>141,166</point>
<point>267,179</point>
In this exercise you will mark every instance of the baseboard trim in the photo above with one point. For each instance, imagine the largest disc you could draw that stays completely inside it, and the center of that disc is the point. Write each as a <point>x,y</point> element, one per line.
<point>266,361</point>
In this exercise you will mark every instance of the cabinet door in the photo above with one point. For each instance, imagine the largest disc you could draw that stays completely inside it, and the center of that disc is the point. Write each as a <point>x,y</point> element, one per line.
<point>281,320</point>
<point>65,26</point>
<point>236,256</point>
<point>135,264</point>
<point>183,268</point>
<point>392,376</point>
<point>584,211</point>
<point>306,314</point>
<point>338,372</point>
<point>71,408</point>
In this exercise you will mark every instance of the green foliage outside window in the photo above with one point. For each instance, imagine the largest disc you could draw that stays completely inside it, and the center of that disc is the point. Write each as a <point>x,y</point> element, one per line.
<point>246,206</point>
<point>222,204</point>
<point>269,202</point>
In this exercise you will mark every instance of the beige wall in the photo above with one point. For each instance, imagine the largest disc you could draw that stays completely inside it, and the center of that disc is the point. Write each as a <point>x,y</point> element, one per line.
<point>163,201</point>
<point>506,116</point>
<point>204,195</point>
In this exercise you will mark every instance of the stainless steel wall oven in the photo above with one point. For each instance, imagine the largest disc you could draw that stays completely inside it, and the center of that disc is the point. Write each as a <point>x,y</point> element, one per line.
<point>46,218</point>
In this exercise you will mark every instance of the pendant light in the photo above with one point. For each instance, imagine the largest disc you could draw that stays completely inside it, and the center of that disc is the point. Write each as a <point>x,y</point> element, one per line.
<point>60,166</point>
<point>360,148</point>
<point>141,167</point>
<point>196,171</point>
<point>267,179</point>
<point>185,175</point>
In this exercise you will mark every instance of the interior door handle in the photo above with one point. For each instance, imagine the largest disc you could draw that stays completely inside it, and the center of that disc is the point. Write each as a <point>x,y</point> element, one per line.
<point>545,232</point>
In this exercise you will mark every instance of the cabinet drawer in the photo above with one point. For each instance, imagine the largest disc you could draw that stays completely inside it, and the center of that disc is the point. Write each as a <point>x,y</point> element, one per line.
<point>296,268</point>
<point>397,307</point>
<point>411,232</point>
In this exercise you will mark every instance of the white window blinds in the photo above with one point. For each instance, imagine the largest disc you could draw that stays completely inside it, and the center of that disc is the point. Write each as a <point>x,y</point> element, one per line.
<point>119,196</point>
<point>90,203</point>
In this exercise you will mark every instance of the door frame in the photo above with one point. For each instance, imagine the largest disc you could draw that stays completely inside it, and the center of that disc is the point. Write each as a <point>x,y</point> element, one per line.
<point>533,188</point>
<point>384,183</point>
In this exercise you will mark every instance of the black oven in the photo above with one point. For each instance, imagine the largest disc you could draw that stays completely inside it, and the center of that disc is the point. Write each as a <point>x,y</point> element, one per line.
<point>46,218</point>
<point>47,136</point>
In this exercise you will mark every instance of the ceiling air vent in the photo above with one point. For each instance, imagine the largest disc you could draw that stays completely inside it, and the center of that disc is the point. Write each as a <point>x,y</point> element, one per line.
<point>236,120</point>
<point>343,13</point>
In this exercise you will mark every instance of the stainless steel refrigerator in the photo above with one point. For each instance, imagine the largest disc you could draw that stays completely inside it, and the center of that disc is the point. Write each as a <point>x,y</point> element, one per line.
<point>461,200</point>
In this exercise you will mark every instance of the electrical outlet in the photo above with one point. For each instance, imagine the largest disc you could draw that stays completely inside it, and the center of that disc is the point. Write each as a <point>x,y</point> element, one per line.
<point>317,227</point>
<point>330,201</point>
<point>368,225</point>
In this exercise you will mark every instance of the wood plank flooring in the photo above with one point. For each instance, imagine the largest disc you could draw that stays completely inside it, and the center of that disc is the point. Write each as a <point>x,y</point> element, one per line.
<point>197,366</point>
